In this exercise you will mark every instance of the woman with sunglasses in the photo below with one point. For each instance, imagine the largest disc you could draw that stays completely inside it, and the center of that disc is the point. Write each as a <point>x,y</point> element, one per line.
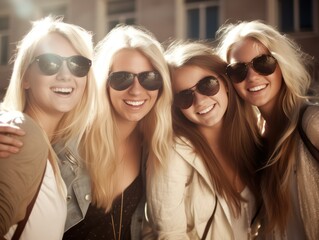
<point>207,188</point>
<point>268,70</point>
<point>133,122</point>
<point>49,95</point>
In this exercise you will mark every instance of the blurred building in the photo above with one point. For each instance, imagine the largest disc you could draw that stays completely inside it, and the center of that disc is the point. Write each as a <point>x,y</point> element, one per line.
<point>196,19</point>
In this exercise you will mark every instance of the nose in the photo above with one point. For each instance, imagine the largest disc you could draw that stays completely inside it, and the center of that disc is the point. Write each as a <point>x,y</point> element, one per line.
<point>198,98</point>
<point>136,87</point>
<point>251,74</point>
<point>64,73</point>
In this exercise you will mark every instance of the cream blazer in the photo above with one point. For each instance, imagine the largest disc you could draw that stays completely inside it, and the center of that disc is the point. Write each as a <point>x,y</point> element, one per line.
<point>181,199</point>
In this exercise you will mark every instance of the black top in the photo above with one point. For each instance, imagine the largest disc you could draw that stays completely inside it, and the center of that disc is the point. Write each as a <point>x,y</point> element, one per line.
<point>97,224</point>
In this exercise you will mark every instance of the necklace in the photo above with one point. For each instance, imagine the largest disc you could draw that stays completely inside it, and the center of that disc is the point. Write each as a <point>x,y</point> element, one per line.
<point>120,225</point>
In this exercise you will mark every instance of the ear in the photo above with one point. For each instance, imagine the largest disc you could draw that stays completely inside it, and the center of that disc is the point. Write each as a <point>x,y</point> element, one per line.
<point>25,83</point>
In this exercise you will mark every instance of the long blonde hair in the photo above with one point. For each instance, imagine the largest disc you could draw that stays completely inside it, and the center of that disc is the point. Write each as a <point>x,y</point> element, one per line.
<point>239,134</point>
<point>296,82</point>
<point>101,143</point>
<point>73,124</point>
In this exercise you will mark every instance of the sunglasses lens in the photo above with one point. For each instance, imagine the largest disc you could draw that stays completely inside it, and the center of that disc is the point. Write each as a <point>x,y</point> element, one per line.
<point>184,99</point>
<point>120,80</point>
<point>79,65</point>
<point>49,64</point>
<point>265,64</point>
<point>150,80</point>
<point>237,72</point>
<point>208,86</point>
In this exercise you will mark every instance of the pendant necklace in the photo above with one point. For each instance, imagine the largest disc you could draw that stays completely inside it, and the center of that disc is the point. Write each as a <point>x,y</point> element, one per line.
<point>120,225</point>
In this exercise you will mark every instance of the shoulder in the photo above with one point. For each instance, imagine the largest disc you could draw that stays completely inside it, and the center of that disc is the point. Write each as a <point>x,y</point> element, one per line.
<point>310,124</point>
<point>310,117</point>
<point>34,141</point>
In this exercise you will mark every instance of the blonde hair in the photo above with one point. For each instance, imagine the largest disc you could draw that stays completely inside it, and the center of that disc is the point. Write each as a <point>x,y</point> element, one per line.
<point>73,124</point>
<point>237,130</point>
<point>296,82</point>
<point>155,127</point>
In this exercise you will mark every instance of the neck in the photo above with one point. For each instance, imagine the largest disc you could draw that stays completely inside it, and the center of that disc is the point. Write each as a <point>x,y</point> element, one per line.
<point>213,135</point>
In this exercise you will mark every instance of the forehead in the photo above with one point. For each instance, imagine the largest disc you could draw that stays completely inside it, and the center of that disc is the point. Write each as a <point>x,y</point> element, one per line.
<point>246,49</point>
<point>55,43</point>
<point>131,60</point>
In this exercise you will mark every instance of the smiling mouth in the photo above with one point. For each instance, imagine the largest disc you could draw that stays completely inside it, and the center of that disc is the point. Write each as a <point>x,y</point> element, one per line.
<point>135,103</point>
<point>257,88</point>
<point>206,110</point>
<point>63,91</point>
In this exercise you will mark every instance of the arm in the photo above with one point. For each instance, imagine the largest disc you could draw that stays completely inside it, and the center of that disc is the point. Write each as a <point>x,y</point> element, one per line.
<point>20,174</point>
<point>166,191</point>
<point>8,142</point>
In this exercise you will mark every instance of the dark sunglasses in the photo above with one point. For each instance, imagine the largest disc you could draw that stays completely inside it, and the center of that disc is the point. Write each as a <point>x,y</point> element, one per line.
<point>150,80</point>
<point>50,64</point>
<point>208,86</point>
<point>264,64</point>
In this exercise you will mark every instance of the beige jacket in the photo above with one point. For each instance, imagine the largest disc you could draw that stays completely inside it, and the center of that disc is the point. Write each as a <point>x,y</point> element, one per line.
<point>304,185</point>
<point>307,175</point>
<point>21,173</point>
<point>181,200</point>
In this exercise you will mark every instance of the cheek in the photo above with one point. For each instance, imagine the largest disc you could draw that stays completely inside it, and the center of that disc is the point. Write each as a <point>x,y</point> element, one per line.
<point>154,95</point>
<point>240,88</point>
<point>187,113</point>
<point>82,84</point>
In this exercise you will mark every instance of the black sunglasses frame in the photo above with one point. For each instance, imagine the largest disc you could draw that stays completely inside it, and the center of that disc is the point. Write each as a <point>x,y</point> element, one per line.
<point>258,63</point>
<point>78,65</point>
<point>122,80</point>
<point>208,86</point>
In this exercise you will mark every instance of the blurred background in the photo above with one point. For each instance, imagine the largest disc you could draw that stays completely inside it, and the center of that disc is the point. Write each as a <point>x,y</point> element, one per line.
<point>167,19</point>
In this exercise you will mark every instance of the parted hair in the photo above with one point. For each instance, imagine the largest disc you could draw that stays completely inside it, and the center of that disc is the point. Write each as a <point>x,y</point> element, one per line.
<point>73,124</point>
<point>238,135</point>
<point>293,63</point>
<point>156,126</point>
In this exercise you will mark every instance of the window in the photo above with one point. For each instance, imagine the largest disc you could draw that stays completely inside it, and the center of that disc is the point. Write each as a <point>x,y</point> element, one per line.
<point>120,11</point>
<point>4,40</point>
<point>296,15</point>
<point>202,19</point>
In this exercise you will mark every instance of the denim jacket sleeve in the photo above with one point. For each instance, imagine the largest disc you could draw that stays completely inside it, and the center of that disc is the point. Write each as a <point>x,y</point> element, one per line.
<point>77,181</point>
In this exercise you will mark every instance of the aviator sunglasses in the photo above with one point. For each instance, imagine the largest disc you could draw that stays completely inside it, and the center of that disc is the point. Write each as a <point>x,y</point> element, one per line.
<point>50,64</point>
<point>208,86</point>
<point>264,64</point>
<point>150,80</point>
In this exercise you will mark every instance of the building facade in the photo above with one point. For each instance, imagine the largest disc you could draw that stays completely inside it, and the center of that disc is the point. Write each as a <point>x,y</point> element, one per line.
<point>167,19</point>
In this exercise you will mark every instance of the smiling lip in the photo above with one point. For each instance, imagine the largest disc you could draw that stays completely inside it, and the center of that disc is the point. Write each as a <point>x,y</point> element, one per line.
<point>62,90</point>
<point>206,110</point>
<point>257,88</point>
<point>134,103</point>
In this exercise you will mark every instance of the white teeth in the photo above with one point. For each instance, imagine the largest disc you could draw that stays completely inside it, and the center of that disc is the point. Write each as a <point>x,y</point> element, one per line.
<point>135,103</point>
<point>62,90</point>
<point>206,110</point>
<point>255,89</point>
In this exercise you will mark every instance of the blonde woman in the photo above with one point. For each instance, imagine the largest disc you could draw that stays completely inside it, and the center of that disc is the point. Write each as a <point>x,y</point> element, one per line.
<point>133,122</point>
<point>269,71</point>
<point>49,95</point>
